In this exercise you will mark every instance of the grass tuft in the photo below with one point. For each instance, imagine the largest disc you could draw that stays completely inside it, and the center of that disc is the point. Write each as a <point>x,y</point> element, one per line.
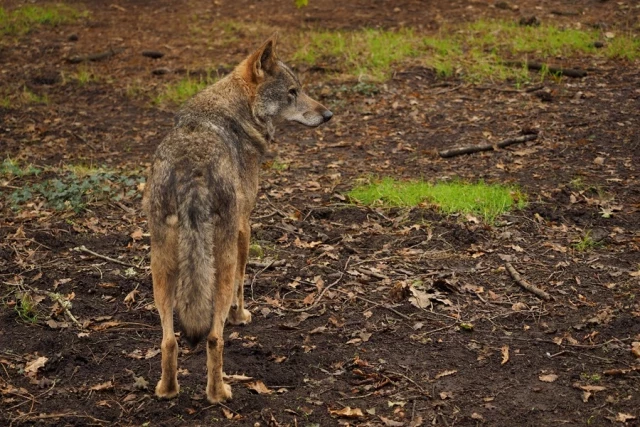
<point>486,200</point>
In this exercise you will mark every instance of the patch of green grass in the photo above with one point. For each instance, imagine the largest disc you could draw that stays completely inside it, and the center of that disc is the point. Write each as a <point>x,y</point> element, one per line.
<point>73,188</point>
<point>586,243</point>
<point>25,18</point>
<point>590,378</point>
<point>178,92</point>
<point>476,51</point>
<point>486,200</point>
<point>368,53</point>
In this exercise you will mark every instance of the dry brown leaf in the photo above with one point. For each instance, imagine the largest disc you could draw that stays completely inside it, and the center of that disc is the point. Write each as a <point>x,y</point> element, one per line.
<point>623,418</point>
<point>131,296</point>
<point>237,378</point>
<point>105,325</point>
<point>347,412</point>
<point>391,423</point>
<point>548,378</point>
<point>107,385</point>
<point>259,387</point>
<point>446,373</point>
<point>308,300</point>
<point>635,348</point>
<point>505,354</point>
<point>33,366</point>
<point>152,352</point>
<point>137,234</point>
<point>417,422</point>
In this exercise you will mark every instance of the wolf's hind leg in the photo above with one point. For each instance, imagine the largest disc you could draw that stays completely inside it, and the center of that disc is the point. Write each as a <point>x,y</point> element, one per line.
<point>217,389</point>
<point>238,315</point>
<point>164,274</point>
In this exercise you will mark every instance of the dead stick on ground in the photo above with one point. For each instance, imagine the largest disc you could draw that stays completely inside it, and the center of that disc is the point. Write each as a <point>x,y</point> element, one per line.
<point>526,285</point>
<point>95,254</point>
<point>486,147</point>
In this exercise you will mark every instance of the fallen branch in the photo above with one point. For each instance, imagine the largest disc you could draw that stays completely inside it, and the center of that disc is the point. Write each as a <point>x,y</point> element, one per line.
<point>526,285</point>
<point>486,147</point>
<point>95,56</point>
<point>95,254</point>
<point>537,66</point>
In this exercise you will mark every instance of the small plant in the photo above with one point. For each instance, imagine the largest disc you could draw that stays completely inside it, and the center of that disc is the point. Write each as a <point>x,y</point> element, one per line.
<point>486,200</point>
<point>26,308</point>
<point>586,243</point>
<point>590,378</point>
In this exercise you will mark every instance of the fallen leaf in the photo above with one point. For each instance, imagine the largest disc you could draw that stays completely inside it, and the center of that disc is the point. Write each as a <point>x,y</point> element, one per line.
<point>635,348</point>
<point>417,422</point>
<point>519,306</point>
<point>505,354</point>
<point>347,412</point>
<point>446,373</point>
<point>105,325</point>
<point>391,423</point>
<point>131,296</point>
<point>548,378</point>
<point>33,366</point>
<point>137,234</point>
<point>140,383</point>
<point>477,416</point>
<point>259,387</point>
<point>152,352</point>
<point>102,386</point>
<point>54,324</point>
<point>623,418</point>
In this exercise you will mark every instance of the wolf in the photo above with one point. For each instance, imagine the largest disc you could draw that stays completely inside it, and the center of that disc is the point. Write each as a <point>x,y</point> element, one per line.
<point>201,189</point>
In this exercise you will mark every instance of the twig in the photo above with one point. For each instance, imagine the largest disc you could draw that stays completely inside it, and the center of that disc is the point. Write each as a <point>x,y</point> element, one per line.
<point>64,304</point>
<point>257,274</point>
<point>486,147</point>
<point>426,393</point>
<point>83,248</point>
<point>526,285</point>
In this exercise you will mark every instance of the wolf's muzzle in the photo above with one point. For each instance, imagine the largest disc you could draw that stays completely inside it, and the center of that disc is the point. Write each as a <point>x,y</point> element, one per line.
<point>326,115</point>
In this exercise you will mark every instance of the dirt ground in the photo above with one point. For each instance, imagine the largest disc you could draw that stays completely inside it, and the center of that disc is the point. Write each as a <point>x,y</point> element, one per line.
<point>483,350</point>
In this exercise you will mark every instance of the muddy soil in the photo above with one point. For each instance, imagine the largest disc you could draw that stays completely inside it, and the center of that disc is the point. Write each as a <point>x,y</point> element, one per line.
<point>466,346</point>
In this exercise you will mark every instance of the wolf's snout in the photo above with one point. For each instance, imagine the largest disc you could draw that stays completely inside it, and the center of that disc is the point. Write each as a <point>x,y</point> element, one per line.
<point>326,115</point>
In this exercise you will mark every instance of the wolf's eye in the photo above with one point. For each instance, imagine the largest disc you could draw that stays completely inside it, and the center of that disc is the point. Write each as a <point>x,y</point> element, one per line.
<point>293,92</point>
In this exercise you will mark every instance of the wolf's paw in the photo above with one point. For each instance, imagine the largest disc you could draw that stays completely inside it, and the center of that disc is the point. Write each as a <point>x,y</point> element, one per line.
<point>220,395</point>
<point>239,317</point>
<point>167,391</point>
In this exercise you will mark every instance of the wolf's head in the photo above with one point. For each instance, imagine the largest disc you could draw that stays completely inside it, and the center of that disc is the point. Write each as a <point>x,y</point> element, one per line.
<point>277,92</point>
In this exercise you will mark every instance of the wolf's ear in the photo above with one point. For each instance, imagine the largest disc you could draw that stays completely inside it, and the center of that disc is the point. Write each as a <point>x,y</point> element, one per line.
<point>264,59</point>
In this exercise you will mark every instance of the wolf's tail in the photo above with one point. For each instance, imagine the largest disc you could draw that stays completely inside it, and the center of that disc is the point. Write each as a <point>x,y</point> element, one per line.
<point>195,288</point>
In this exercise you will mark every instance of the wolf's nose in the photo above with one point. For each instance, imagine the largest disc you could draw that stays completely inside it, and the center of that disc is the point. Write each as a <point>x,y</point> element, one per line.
<point>327,115</point>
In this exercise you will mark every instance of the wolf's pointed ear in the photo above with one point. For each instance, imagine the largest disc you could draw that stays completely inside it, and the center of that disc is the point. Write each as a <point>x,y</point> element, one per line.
<point>264,59</point>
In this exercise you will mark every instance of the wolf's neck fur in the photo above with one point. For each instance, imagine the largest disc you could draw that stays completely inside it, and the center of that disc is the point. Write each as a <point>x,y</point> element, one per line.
<point>224,103</point>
